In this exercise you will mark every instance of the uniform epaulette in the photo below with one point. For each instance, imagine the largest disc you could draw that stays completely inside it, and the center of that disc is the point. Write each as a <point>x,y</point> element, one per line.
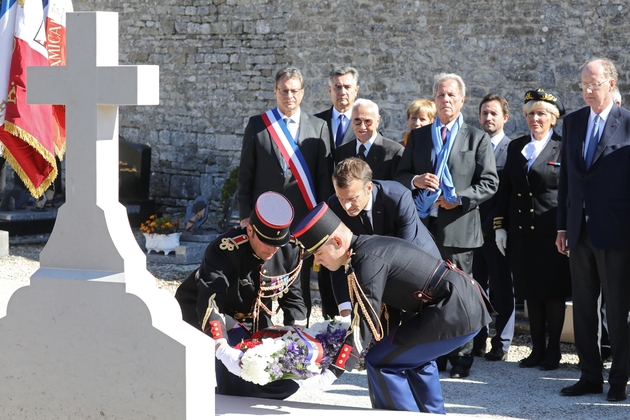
<point>229,244</point>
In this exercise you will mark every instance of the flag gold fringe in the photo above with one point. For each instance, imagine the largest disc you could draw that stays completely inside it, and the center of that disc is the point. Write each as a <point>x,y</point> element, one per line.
<point>48,157</point>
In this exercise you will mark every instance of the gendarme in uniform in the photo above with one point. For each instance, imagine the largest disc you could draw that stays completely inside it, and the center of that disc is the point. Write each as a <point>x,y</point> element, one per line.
<point>448,309</point>
<point>239,284</point>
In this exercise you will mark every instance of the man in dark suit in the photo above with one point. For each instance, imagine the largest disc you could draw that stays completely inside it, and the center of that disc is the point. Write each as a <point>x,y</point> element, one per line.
<point>594,223</point>
<point>451,169</point>
<point>286,151</point>
<point>374,207</point>
<point>343,88</point>
<point>488,262</point>
<point>382,154</point>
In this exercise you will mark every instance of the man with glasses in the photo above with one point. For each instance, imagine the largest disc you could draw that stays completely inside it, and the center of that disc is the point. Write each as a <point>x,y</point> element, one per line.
<point>450,168</point>
<point>594,224</point>
<point>286,151</point>
<point>380,153</point>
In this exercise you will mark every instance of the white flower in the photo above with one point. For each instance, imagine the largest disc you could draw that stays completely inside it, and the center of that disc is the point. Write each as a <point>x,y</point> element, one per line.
<point>256,360</point>
<point>254,369</point>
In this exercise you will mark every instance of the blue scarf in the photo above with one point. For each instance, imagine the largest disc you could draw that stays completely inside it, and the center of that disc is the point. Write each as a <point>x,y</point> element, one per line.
<point>425,199</point>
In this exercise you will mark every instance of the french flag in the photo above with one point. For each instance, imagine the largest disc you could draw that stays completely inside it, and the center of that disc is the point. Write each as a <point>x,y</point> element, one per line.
<point>31,134</point>
<point>8,9</point>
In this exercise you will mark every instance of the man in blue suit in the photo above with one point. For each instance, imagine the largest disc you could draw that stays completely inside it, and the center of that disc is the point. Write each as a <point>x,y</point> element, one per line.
<point>374,207</point>
<point>594,224</point>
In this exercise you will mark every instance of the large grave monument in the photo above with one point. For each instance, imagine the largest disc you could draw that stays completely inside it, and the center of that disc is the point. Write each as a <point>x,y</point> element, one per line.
<point>92,336</point>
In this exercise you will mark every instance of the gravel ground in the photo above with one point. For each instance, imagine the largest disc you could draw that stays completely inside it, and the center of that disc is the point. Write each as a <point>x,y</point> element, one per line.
<point>497,390</point>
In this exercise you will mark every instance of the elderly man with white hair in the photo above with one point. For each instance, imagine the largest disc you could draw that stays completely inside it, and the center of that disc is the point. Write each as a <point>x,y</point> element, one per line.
<point>380,153</point>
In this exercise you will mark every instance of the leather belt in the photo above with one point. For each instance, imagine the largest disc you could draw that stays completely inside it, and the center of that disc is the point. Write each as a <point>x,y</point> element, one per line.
<point>426,295</point>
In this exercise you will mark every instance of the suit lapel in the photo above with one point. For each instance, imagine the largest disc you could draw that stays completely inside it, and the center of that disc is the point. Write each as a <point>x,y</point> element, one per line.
<point>546,154</point>
<point>378,210</point>
<point>376,154</point>
<point>305,125</point>
<point>612,124</point>
<point>328,119</point>
<point>459,145</point>
<point>349,136</point>
<point>578,143</point>
<point>520,158</point>
<point>501,149</point>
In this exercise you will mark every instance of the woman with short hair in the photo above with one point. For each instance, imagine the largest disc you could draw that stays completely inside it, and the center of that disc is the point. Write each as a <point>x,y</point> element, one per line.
<point>525,227</point>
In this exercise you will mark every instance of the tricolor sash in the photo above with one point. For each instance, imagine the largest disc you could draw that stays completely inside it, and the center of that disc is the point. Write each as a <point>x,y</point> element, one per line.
<point>292,155</point>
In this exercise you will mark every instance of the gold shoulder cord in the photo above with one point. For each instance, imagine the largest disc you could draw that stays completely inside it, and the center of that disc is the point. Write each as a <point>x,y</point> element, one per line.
<point>358,298</point>
<point>273,287</point>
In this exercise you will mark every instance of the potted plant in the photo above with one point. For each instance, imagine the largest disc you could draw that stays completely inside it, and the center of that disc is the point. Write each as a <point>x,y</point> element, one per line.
<point>161,234</point>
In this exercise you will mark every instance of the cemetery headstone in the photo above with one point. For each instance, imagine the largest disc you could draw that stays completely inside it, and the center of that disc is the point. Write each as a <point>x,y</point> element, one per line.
<point>92,336</point>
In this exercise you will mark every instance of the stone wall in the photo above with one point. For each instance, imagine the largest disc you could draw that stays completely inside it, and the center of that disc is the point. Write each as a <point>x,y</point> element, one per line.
<point>217,60</point>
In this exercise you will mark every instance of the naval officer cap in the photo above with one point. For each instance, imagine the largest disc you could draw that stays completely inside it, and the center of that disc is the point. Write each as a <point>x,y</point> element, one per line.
<point>315,228</point>
<point>541,95</point>
<point>271,219</point>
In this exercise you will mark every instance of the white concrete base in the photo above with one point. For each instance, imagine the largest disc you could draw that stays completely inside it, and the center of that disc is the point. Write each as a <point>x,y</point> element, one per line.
<point>567,335</point>
<point>76,349</point>
<point>241,408</point>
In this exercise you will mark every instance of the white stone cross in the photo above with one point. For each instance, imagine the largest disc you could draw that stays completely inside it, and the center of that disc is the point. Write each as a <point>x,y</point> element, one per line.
<point>91,85</point>
<point>92,336</point>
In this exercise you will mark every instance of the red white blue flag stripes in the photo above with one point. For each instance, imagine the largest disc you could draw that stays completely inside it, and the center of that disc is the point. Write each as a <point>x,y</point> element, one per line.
<point>32,33</point>
<point>292,155</point>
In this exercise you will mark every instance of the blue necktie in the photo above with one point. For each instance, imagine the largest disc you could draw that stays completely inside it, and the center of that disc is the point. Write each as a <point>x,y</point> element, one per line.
<point>340,131</point>
<point>592,144</point>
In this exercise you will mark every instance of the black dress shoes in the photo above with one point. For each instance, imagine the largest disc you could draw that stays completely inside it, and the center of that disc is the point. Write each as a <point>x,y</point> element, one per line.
<point>617,393</point>
<point>582,387</point>
<point>479,352</point>
<point>548,366</point>
<point>495,355</point>
<point>530,361</point>
<point>460,372</point>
